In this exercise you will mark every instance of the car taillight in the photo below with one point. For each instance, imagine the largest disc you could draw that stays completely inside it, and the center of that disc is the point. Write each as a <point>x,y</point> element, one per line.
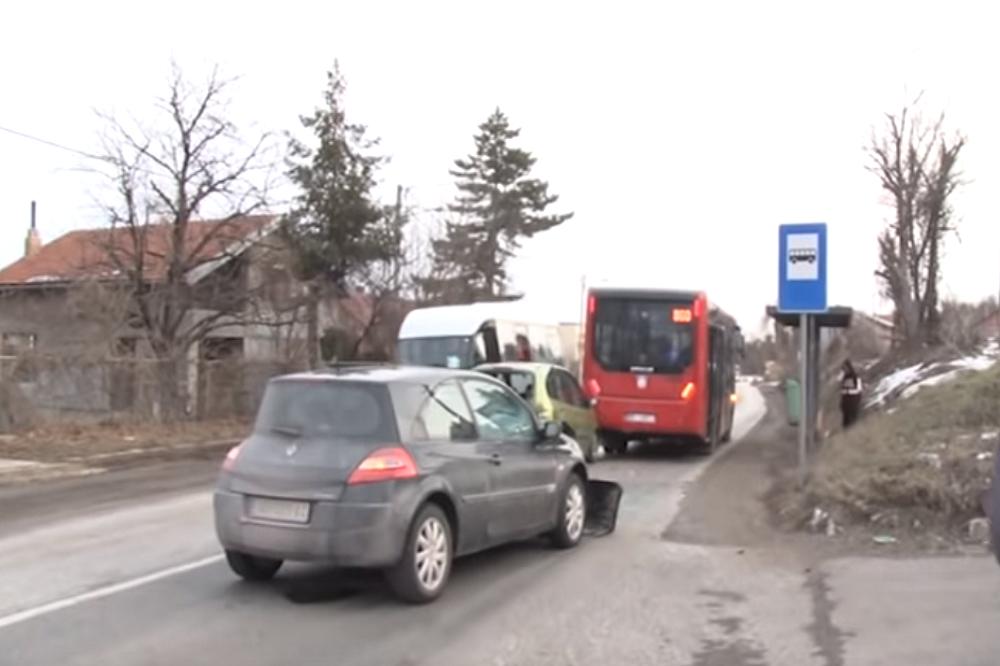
<point>688,391</point>
<point>594,388</point>
<point>231,457</point>
<point>591,305</point>
<point>734,398</point>
<point>384,465</point>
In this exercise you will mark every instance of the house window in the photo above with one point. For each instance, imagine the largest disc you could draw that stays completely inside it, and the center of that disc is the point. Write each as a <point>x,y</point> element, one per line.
<point>16,344</point>
<point>16,349</point>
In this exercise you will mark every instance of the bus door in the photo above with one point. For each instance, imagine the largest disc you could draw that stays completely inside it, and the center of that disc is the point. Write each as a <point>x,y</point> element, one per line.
<point>717,380</point>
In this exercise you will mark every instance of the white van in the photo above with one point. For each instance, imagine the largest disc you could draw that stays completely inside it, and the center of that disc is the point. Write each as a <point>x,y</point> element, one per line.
<point>463,336</point>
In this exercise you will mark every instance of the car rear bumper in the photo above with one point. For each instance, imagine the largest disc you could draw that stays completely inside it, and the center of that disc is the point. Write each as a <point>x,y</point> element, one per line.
<point>649,418</point>
<point>350,535</point>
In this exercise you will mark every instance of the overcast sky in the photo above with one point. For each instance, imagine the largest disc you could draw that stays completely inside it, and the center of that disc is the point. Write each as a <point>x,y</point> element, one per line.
<point>681,134</point>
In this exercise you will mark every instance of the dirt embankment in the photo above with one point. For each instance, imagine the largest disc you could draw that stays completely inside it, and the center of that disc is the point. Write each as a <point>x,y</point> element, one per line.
<point>913,474</point>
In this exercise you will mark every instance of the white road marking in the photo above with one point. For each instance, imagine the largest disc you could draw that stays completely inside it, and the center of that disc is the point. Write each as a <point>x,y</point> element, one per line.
<point>107,591</point>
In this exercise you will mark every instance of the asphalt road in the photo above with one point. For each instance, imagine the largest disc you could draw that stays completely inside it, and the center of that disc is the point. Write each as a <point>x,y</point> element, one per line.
<point>92,574</point>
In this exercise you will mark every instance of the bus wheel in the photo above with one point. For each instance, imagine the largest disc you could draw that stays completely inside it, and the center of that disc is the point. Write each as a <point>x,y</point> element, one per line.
<point>614,444</point>
<point>710,443</point>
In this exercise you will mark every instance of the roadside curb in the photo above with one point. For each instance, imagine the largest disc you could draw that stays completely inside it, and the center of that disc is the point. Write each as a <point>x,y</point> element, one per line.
<point>137,454</point>
<point>33,471</point>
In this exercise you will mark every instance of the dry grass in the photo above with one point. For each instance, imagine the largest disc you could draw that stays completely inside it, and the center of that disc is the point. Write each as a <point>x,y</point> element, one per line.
<point>922,467</point>
<point>60,443</point>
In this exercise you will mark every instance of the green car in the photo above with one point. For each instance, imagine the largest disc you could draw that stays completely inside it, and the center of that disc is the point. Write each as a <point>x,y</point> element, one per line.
<point>556,396</point>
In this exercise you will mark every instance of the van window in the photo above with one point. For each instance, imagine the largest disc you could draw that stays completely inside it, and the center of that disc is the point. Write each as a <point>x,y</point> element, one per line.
<point>443,352</point>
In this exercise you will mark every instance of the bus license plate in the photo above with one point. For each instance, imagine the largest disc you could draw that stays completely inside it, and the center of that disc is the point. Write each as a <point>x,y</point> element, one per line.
<point>286,511</point>
<point>634,417</point>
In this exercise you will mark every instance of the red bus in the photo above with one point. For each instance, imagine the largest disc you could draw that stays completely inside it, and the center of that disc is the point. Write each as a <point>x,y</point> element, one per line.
<point>661,365</point>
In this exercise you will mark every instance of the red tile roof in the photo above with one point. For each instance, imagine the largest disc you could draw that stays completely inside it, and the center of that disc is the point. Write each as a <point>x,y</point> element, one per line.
<point>91,253</point>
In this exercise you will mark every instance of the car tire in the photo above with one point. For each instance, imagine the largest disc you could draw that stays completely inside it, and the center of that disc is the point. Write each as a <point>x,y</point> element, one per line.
<point>251,567</point>
<point>572,513</point>
<point>422,573</point>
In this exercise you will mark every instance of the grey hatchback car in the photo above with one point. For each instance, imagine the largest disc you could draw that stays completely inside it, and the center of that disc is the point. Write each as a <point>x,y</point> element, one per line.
<point>397,468</point>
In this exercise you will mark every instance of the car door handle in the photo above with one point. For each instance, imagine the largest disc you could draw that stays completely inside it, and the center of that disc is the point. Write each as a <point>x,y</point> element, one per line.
<point>496,459</point>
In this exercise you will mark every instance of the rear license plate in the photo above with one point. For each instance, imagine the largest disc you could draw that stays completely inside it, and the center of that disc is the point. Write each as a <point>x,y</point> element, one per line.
<point>286,511</point>
<point>634,417</point>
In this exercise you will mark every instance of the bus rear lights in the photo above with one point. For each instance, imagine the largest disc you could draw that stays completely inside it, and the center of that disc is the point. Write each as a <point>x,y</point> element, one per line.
<point>682,315</point>
<point>688,391</point>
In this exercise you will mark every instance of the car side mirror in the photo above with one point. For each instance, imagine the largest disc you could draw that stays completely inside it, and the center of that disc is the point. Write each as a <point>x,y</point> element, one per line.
<point>551,431</point>
<point>462,432</point>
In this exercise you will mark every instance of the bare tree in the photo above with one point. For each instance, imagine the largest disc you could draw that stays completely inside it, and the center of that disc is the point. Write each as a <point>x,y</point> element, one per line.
<point>915,162</point>
<point>194,165</point>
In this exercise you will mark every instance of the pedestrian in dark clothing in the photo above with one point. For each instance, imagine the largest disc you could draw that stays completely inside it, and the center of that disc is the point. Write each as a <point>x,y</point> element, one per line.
<point>850,394</point>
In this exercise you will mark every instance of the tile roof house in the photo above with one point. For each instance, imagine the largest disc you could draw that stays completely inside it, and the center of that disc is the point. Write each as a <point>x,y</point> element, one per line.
<point>107,253</point>
<point>48,311</point>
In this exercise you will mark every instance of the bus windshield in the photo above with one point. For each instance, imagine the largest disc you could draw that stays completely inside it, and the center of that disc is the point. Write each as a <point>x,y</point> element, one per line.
<point>441,352</point>
<point>632,334</point>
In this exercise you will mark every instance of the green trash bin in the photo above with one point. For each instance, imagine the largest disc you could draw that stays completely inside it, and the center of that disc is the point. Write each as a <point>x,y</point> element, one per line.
<point>793,401</point>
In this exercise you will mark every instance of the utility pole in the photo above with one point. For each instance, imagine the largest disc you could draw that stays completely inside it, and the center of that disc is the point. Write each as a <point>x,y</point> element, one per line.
<point>399,203</point>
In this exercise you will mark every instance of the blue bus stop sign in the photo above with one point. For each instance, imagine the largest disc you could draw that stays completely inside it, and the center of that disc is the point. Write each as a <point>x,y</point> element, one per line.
<point>802,268</point>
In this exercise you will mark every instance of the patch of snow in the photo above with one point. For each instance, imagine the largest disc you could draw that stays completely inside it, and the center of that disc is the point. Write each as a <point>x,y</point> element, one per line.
<point>990,434</point>
<point>892,382</point>
<point>969,363</point>
<point>906,382</point>
<point>932,459</point>
<point>44,278</point>
<point>984,455</point>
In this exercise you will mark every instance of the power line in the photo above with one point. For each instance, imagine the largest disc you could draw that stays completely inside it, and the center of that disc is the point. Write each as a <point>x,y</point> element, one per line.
<point>52,144</point>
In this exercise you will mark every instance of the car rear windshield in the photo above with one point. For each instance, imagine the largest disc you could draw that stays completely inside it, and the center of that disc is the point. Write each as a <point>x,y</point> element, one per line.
<point>634,334</point>
<point>442,352</point>
<point>335,409</point>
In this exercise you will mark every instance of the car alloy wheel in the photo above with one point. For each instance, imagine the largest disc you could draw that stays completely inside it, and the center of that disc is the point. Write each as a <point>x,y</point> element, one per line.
<point>431,556</point>
<point>572,513</point>
<point>576,511</point>
<point>422,572</point>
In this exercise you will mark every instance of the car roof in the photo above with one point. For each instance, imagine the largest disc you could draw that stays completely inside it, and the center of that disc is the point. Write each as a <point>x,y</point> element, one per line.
<point>378,374</point>
<point>523,366</point>
<point>466,320</point>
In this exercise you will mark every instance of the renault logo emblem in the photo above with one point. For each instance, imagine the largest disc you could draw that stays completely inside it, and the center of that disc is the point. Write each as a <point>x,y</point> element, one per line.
<point>291,450</point>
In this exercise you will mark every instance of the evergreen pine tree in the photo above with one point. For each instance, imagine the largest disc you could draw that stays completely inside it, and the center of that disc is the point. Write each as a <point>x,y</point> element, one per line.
<point>335,227</point>
<point>498,205</point>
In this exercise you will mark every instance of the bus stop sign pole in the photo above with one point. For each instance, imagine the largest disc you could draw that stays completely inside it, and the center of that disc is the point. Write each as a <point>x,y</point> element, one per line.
<point>802,290</point>
<point>807,398</point>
